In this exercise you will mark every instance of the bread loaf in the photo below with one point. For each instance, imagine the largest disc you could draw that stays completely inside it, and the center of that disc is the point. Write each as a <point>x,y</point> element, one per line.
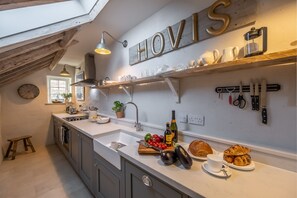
<point>200,148</point>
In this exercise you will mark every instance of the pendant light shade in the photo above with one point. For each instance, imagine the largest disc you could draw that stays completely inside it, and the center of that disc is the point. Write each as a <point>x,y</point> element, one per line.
<point>64,72</point>
<point>101,48</point>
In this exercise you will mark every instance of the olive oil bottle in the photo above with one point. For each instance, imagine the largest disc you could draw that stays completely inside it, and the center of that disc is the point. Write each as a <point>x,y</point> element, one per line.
<point>168,135</point>
<point>173,128</point>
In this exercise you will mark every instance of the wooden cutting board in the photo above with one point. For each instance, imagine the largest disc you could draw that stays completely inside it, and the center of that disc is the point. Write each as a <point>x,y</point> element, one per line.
<point>144,150</point>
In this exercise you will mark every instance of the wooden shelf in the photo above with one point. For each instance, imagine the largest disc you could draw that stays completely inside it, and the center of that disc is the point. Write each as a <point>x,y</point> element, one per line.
<point>272,59</point>
<point>277,58</point>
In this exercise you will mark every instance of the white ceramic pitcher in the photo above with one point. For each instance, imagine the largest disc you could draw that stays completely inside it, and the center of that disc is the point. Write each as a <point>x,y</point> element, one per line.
<point>230,54</point>
<point>209,57</point>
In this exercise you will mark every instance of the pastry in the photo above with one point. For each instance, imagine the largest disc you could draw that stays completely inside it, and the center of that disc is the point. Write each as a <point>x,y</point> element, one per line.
<point>229,158</point>
<point>200,148</point>
<point>242,160</point>
<point>237,150</point>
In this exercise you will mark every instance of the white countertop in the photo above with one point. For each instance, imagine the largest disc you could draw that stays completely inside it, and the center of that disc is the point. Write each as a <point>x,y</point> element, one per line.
<point>264,181</point>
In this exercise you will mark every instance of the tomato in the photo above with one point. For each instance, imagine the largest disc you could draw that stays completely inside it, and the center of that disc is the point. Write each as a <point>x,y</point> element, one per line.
<point>157,139</point>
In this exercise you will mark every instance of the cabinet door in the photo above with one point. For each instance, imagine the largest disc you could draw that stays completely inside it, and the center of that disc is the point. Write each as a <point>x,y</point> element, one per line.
<point>57,126</point>
<point>107,184</point>
<point>141,184</point>
<point>86,159</point>
<point>74,148</point>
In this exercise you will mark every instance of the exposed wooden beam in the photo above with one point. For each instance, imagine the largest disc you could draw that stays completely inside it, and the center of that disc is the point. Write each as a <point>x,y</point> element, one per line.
<point>29,57</point>
<point>65,43</point>
<point>32,46</point>
<point>27,67</point>
<point>12,4</point>
<point>68,36</point>
<point>23,74</point>
<point>59,56</point>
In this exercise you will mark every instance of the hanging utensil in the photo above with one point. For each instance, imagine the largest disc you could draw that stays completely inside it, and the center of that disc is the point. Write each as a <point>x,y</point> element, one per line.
<point>263,101</point>
<point>257,105</point>
<point>230,96</point>
<point>220,91</point>
<point>240,101</point>
<point>252,94</point>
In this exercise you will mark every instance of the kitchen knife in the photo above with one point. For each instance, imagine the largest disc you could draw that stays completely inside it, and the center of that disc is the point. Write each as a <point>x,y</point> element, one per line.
<point>257,105</point>
<point>252,94</point>
<point>263,101</point>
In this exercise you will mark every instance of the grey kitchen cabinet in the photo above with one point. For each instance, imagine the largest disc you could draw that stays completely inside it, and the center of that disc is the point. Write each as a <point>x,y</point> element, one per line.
<point>86,159</point>
<point>79,151</point>
<point>74,148</point>
<point>108,181</point>
<point>140,183</point>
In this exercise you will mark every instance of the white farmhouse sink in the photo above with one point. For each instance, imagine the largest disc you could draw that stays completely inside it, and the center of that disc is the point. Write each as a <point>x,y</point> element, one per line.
<point>107,145</point>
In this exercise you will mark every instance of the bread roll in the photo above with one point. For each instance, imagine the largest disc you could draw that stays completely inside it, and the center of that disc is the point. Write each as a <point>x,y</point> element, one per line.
<point>200,148</point>
<point>237,150</point>
<point>242,160</point>
<point>229,158</point>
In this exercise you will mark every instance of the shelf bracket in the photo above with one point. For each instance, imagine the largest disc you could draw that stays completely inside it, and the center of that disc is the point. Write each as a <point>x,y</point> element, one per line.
<point>174,87</point>
<point>128,90</point>
<point>104,92</point>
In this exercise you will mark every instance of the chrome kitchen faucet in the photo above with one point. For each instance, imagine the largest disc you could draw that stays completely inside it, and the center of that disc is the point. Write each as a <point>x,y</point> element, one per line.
<point>137,124</point>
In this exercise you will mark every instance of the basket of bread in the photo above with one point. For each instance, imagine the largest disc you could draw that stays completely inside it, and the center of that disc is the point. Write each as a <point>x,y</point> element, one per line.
<point>238,155</point>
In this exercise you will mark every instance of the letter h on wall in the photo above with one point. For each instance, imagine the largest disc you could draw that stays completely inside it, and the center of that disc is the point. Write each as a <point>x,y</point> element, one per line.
<point>140,50</point>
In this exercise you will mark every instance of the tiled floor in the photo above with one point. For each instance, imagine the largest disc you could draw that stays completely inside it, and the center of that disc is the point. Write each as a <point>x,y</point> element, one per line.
<point>43,174</point>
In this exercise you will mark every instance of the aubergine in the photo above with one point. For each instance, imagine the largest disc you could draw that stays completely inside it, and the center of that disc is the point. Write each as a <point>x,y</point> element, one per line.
<point>183,157</point>
<point>168,157</point>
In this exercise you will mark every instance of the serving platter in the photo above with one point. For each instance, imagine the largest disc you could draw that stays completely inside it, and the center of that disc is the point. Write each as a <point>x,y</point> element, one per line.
<point>202,158</point>
<point>249,167</point>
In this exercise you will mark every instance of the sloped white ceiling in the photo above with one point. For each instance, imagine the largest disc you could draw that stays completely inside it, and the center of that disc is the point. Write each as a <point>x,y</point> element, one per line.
<point>117,17</point>
<point>22,24</point>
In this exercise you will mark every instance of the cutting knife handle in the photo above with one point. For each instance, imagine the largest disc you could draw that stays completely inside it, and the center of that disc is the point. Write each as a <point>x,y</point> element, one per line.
<point>257,105</point>
<point>264,115</point>
<point>253,103</point>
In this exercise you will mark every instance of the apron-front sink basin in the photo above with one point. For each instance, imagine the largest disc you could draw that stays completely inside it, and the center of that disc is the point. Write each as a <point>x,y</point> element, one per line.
<point>107,145</point>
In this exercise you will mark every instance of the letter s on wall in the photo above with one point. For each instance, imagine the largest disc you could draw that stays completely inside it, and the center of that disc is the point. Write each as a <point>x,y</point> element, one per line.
<point>218,17</point>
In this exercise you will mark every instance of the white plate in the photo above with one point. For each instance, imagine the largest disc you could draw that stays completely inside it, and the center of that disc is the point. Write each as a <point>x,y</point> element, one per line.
<point>102,120</point>
<point>249,167</point>
<point>218,174</point>
<point>201,158</point>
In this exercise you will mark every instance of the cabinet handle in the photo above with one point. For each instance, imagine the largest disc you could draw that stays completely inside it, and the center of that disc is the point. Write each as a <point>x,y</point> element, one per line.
<point>147,181</point>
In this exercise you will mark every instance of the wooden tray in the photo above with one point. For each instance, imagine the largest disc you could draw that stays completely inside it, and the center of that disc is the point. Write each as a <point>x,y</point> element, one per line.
<point>144,150</point>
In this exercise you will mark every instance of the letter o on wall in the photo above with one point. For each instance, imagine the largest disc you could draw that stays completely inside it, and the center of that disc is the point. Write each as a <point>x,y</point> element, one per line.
<point>161,37</point>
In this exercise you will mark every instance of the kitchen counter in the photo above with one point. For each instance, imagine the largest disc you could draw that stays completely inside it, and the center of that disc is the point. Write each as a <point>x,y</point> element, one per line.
<point>264,181</point>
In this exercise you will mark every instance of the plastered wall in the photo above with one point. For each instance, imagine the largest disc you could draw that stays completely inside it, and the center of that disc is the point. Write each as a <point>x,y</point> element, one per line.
<point>29,117</point>
<point>155,100</point>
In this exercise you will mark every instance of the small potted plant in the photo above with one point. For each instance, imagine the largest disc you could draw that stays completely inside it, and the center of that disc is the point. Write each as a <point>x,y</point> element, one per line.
<point>66,96</point>
<point>118,108</point>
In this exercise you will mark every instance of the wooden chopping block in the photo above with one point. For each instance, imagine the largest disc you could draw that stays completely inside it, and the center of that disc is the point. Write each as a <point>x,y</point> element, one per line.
<point>144,150</point>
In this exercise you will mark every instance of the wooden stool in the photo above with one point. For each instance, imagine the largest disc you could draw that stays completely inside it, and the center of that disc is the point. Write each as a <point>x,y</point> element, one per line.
<point>14,143</point>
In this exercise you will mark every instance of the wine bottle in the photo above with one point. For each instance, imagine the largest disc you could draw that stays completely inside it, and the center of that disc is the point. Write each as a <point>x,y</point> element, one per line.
<point>168,135</point>
<point>173,128</point>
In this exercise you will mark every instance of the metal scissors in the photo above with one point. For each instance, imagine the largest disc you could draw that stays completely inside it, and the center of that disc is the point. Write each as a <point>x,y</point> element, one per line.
<point>240,101</point>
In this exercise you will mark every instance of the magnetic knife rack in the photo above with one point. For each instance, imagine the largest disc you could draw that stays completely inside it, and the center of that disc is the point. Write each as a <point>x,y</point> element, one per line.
<point>246,88</point>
